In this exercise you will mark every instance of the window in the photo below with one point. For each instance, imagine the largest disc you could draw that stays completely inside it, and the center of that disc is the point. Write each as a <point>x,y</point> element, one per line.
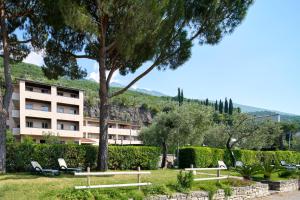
<point>44,125</point>
<point>73,95</point>
<point>45,108</point>
<point>60,126</point>
<point>42,141</point>
<point>62,142</point>
<point>73,127</point>
<point>29,106</point>
<point>29,88</point>
<point>60,110</point>
<point>73,111</point>
<point>60,93</point>
<point>44,91</point>
<point>29,124</point>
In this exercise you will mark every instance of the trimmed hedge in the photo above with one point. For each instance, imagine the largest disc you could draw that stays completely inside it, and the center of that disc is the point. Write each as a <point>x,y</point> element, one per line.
<point>19,156</point>
<point>208,157</point>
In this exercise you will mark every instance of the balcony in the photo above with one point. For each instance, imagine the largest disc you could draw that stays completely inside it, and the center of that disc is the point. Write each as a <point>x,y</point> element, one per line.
<point>15,113</point>
<point>37,95</point>
<point>69,133</point>
<point>16,131</point>
<point>69,100</point>
<point>37,113</point>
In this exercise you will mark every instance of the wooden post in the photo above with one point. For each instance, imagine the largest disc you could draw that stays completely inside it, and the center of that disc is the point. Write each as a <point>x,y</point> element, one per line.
<point>88,177</point>
<point>218,174</point>
<point>194,172</point>
<point>139,177</point>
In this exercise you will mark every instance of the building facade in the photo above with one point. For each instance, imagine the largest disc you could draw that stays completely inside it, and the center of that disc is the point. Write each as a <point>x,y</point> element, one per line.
<point>39,109</point>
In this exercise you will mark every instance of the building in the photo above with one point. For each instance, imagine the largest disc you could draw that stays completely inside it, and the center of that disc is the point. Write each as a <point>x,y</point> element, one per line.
<point>39,109</point>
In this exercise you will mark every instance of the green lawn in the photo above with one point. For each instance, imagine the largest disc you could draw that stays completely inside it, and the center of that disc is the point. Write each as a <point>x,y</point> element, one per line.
<point>28,186</point>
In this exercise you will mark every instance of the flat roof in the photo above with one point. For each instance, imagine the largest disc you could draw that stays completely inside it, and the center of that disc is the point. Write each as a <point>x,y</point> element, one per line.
<point>48,84</point>
<point>133,123</point>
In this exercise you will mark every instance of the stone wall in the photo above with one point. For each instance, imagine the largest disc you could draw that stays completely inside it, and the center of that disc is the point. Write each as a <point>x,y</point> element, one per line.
<point>238,193</point>
<point>284,186</point>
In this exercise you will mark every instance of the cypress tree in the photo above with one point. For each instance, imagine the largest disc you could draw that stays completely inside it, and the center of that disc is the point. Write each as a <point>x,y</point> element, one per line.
<point>239,110</point>
<point>206,102</point>
<point>226,106</point>
<point>178,96</point>
<point>181,97</point>
<point>216,106</point>
<point>230,111</point>
<point>221,106</point>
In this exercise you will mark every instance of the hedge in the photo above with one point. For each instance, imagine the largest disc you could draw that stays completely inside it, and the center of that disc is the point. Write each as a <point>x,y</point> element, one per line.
<point>19,156</point>
<point>208,157</point>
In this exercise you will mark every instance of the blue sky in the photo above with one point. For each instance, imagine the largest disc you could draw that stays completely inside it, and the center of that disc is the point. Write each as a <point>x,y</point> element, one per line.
<point>257,65</point>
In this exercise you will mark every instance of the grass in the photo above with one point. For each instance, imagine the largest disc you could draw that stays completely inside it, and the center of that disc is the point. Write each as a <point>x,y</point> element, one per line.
<point>28,186</point>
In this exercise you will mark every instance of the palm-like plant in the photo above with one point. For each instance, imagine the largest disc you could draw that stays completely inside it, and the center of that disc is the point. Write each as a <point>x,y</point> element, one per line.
<point>267,169</point>
<point>247,171</point>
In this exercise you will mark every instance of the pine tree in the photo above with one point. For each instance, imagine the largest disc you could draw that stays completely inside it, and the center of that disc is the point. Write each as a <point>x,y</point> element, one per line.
<point>230,111</point>
<point>239,110</point>
<point>216,106</point>
<point>226,106</point>
<point>221,106</point>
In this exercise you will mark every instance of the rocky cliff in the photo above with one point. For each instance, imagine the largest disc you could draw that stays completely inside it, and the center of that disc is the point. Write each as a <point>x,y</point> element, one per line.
<point>117,112</point>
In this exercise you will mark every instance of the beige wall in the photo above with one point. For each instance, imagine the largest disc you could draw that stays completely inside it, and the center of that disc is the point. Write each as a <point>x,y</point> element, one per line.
<point>118,132</point>
<point>53,115</point>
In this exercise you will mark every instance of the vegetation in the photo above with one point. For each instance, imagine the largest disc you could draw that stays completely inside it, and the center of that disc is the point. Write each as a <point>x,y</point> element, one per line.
<point>208,157</point>
<point>177,126</point>
<point>19,156</point>
<point>27,186</point>
<point>247,171</point>
<point>184,181</point>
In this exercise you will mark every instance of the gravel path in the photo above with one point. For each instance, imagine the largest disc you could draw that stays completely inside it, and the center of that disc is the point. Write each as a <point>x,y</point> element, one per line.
<point>283,196</point>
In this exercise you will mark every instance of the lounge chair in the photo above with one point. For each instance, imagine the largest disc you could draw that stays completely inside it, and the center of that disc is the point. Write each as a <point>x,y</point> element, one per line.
<point>221,164</point>
<point>63,166</point>
<point>287,166</point>
<point>239,164</point>
<point>39,170</point>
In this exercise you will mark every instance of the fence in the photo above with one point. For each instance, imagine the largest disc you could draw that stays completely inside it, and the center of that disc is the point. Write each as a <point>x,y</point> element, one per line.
<point>88,174</point>
<point>221,166</point>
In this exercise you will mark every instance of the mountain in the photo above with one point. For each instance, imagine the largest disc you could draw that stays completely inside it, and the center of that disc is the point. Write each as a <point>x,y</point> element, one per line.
<point>152,100</point>
<point>141,90</point>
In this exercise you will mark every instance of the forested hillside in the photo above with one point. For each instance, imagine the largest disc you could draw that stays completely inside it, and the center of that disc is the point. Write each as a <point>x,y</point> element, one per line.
<point>130,106</point>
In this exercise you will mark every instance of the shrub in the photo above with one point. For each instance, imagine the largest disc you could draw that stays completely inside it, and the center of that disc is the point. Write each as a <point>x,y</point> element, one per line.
<point>109,194</point>
<point>247,171</point>
<point>207,157</point>
<point>184,181</point>
<point>267,169</point>
<point>156,189</point>
<point>287,174</point>
<point>19,156</point>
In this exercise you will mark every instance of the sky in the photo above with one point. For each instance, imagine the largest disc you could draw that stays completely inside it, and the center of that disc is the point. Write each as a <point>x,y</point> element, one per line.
<point>257,65</point>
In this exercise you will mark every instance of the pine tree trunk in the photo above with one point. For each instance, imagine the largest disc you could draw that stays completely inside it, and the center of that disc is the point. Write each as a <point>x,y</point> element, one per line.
<point>164,156</point>
<point>102,164</point>
<point>5,101</point>
<point>104,109</point>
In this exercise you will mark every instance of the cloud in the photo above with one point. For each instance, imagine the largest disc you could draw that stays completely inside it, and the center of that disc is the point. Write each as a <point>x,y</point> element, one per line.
<point>95,74</point>
<point>134,86</point>
<point>35,58</point>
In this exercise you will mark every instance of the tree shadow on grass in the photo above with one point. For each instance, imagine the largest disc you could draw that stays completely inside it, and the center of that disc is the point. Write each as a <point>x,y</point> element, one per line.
<point>27,175</point>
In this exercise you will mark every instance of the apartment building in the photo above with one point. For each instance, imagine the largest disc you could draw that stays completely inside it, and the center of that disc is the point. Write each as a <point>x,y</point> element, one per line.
<point>38,109</point>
